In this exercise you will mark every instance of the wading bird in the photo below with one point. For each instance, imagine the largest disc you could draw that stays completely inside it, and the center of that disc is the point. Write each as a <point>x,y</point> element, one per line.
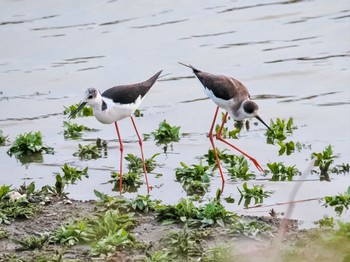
<point>232,96</point>
<point>115,104</point>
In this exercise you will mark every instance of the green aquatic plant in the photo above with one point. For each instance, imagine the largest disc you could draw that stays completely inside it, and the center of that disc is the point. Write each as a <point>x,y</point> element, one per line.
<point>74,130</point>
<point>279,130</point>
<point>130,181</point>
<point>3,139</point>
<point>222,253</point>
<point>29,143</point>
<point>86,111</point>
<point>278,133</point>
<point>166,134</point>
<point>72,174</point>
<point>340,202</point>
<point>88,152</point>
<point>135,164</point>
<point>238,168</point>
<point>323,161</point>
<point>256,192</point>
<point>281,172</point>
<point>138,113</point>
<point>143,204</point>
<point>326,221</point>
<point>195,178</point>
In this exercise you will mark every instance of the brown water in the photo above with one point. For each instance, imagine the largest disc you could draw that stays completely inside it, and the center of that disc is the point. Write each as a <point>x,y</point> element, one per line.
<point>292,55</point>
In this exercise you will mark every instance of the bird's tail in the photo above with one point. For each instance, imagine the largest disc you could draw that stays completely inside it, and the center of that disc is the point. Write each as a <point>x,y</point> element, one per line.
<point>154,78</point>
<point>195,70</point>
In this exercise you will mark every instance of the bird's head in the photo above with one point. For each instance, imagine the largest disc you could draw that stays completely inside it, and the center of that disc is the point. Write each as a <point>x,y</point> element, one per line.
<point>250,110</point>
<point>91,95</point>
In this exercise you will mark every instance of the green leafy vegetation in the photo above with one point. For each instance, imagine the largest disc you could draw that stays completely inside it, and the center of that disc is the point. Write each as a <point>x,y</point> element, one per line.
<point>166,134</point>
<point>135,164</point>
<point>278,134</point>
<point>88,152</point>
<point>326,221</point>
<point>29,143</point>
<point>281,172</point>
<point>340,202</point>
<point>238,168</point>
<point>74,131</point>
<point>186,212</point>
<point>72,174</point>
<point>72,234</point>
<point>184,244</point>
<point>86,111</point>
<point>138,113</point>
<point>32,242</point>
<point>195,178</point>
<point>158,256</point>
<point>323,161</point>
<point>130,181</point>
<point>3,139</point>
<point>141,204</point>
<point>251,228</point>
<point>256,192</point>
<point>14,205</point>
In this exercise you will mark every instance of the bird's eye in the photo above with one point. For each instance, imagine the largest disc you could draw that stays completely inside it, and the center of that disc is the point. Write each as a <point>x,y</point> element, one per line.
<point>89,97</point>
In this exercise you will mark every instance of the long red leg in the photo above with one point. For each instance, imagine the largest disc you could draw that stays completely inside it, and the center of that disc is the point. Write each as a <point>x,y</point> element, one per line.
<point>142,155</point>
<point>121,148</point>
<point>219,137</point>
<point>212,144</point>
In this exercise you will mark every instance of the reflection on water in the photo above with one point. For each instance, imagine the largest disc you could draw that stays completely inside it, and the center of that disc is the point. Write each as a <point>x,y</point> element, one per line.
<point>286,52</point>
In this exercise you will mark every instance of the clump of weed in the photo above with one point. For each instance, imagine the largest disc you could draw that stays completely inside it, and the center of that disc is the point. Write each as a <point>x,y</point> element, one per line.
<point>324,160</point>
<point>3,139</point>
<point>256,192</point>
<point>32,242</point>
<point>141,204</point>
<point>29,144</point>
<point>278,133</point>
<point>184,244</point>
<point>14,205</point>
<point>86,111</point>
<point>88,152</point>
<point>251,228</point>
<point>237,166</point>
<point>74,130</point>
<point>222,253</point>
<point>212,213</point>
<point>130,181</point>
<point>72,234</point>
<point>281,172</point>
<point>195,178</point>
<point>340,201</point>
<point>72,174</point>
<point>166,134</point>
<point>135,164</point>
<point>158,256</point>
<point>138,113</point>
<point>326,221</point>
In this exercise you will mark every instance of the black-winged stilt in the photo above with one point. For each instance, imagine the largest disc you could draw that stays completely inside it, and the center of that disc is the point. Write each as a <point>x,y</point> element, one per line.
<point>232,96</point>
<point>115,104</point>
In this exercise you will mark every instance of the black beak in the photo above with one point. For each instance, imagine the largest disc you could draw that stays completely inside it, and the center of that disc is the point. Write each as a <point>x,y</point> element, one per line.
<point>76,111</point>
<point>262,121</point>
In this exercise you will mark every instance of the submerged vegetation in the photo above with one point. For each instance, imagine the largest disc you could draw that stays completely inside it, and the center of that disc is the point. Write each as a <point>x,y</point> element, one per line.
<point>29,143</point>
<point>166,134</point>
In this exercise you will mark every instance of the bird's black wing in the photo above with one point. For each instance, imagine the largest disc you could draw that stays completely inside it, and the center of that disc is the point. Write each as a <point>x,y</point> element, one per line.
<point>127,94</point>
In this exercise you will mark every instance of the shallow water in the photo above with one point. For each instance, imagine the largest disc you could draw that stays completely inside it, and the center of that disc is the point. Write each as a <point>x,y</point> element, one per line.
<point>292,55</point>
